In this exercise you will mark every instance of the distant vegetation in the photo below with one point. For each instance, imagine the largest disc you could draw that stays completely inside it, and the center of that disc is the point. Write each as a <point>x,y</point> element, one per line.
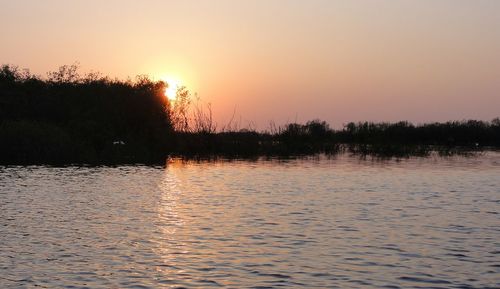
<point>68,118</point>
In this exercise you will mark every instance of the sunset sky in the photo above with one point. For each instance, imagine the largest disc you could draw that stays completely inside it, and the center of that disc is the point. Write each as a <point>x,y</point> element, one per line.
<point>282,61</point>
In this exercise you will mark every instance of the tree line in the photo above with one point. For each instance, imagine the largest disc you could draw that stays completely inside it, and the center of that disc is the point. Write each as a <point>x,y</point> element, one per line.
<point>68,118</point>
<point>71,118</point>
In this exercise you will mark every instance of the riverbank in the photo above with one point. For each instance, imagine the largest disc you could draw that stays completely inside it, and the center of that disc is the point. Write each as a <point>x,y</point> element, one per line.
<point>92,119</point>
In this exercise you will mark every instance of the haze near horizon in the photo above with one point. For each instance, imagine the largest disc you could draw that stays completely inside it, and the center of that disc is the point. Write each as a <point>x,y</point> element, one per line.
<point>280,61</point>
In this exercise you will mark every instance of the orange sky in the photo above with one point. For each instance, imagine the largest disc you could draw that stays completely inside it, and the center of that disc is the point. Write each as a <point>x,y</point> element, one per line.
<point>421,60</point>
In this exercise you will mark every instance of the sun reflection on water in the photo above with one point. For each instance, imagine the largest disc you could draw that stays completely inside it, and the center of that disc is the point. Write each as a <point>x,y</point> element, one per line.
<point>169,245</point>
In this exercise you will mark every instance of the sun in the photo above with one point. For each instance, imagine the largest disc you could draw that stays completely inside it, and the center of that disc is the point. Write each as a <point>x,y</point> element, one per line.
<point>172,87</point>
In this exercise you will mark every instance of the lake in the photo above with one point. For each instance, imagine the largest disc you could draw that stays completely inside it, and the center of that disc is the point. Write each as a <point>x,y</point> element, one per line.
<point>340,222</point>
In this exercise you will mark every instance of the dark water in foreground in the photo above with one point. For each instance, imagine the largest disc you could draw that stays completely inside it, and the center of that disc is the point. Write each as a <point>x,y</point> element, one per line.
<point>344,223</point>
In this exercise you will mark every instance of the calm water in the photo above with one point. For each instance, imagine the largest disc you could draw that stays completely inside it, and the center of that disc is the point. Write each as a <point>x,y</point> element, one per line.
<point>267,224</point>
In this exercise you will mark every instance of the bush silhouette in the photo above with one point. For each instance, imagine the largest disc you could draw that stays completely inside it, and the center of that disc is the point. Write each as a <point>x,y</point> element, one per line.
<point>82,117</point>
<point>69,118</point>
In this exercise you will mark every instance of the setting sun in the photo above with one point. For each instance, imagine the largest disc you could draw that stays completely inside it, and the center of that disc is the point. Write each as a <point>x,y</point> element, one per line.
<point>172,87</point>
<point>300,144</point>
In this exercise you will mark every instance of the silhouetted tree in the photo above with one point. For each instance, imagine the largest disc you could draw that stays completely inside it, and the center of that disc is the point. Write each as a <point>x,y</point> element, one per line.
<point>67,118</point>
<point>84,119</point>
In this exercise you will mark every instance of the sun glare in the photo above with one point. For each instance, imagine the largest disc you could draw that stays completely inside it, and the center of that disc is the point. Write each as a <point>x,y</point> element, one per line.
<point>172,86</point>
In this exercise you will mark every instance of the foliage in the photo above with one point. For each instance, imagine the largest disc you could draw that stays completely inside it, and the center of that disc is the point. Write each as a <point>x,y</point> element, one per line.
<point>84,118</point>
<point>69,118</point>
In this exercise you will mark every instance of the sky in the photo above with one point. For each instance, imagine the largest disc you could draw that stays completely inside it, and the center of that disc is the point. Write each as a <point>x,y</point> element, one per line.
<point>279,61</point>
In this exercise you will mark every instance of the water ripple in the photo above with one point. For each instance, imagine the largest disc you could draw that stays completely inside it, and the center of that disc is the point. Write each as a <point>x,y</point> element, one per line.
<point>331,223</point>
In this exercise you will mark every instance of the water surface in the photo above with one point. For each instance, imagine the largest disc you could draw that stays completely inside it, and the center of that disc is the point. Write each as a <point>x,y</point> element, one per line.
<point>316,223</point>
